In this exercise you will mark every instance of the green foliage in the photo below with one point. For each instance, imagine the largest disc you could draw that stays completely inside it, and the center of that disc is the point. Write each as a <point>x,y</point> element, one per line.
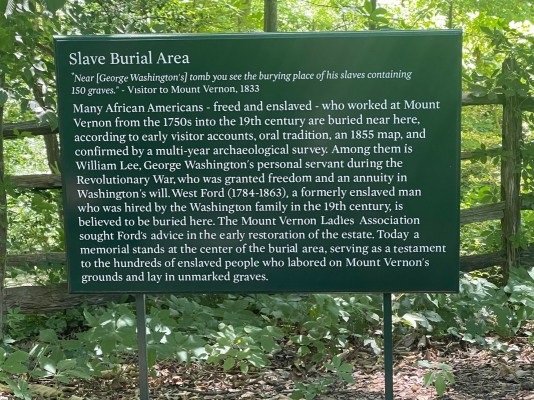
<point>54,5</point>
<point>439,376</point>
<point>241,333</point>
<point>480,310</point>
<point>19,327</point>
<point>33,218</point>
<point>343,370</point>
<point>244,333</point>
<point>111,333</point>
<point>243,347</point>
<point>20,388</point>
<point>52,358</point>
<point>59,360</point>
<point>310,391</point>
<point>26,56</point>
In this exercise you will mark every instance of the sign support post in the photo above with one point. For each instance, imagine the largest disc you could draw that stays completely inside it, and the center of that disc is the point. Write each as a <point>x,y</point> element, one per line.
<point>140,306</point>
<point>388,347</point>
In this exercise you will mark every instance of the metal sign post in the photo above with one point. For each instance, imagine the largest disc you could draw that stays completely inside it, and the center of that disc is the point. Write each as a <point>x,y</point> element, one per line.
<point>140,307</point>
<point>388,347</point>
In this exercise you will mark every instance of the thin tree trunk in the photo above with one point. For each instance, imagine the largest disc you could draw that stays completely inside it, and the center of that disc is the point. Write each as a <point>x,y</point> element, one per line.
<point>270,15</point>
<point>3,219</point>
<point>372,25</point>
<point>450,16</point>
<point>511,177</point>
<point>52,152</point>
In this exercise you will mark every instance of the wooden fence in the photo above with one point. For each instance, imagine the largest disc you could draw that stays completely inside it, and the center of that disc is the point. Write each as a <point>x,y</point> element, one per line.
<point>35,299</point>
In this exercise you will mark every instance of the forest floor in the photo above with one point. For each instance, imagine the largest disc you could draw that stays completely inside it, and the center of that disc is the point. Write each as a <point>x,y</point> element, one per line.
<point>479,374</point>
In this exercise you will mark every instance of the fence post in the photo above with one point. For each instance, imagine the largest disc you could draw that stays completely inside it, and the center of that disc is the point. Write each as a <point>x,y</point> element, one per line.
<point>511,175</point>
<point>3,218</point>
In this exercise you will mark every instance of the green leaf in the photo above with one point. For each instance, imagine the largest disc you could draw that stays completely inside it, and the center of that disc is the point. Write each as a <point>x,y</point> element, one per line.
<point>444,367</point>
<point>91,320</point>
<point>346,377</point>
<point>14,363</point>
<point>412,319</point>
<point>433,316</point>
<point>258,360</point>
<point>450,377</point>
<point>66,364</point>
<point>48,336</point>
<point>62,379</point>
<point>486,30</point>
<point>151,356</point>
<point>18,357</point>
<point>125,321</point>
<point>268,344</point>
<point>243,366</point>
<point>380,11</point>
<point>336,361</point>
<point>39,373</point>
<point>107,344</point>
<point>429,378</point>
<point>345,368</point>
<point>83,373</point>
<point>367,5</point>
<point>48,365</point>
<point>440,385</point>
<point>303,350</point>
<point>48,117</point>
<point>228,364</point>
<point>424,363</point>
<point>20,389</point>
<point>475,327</point>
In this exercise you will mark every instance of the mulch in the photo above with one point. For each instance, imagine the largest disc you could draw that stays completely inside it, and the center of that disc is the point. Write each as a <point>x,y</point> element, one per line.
<point>480,374</point>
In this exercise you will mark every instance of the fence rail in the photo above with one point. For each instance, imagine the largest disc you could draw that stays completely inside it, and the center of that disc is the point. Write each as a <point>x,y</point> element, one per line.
<point>34,299</point>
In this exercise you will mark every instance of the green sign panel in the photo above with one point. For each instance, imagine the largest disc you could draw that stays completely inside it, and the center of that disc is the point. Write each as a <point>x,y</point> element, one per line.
<point>260,162</point>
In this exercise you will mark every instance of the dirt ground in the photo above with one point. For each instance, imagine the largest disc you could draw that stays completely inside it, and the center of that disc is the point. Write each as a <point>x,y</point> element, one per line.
<point>479,374</point>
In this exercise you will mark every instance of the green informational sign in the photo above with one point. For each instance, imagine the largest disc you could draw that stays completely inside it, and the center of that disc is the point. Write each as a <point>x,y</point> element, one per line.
<point>261,162</point>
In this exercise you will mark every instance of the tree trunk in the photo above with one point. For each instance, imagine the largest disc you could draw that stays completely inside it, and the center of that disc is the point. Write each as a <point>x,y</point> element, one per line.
<point>52,152</point>
<point>450,15</point>
<point>511,177</point>
<point>372,25</point>
<point>270,15</point>
<point>3,219</point>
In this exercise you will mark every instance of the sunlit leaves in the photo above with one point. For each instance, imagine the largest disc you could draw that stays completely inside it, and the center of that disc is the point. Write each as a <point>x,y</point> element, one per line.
<point>7,7</point>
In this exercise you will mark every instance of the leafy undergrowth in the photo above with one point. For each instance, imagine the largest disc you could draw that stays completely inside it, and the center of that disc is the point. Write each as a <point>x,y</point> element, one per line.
<point>245,335</point>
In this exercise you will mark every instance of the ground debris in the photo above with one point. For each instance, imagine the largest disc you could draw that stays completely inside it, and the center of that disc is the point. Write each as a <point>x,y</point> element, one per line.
<point>479,373</point>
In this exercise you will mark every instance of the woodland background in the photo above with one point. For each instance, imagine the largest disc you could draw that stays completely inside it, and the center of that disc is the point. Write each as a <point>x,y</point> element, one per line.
<point>43,351</point>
